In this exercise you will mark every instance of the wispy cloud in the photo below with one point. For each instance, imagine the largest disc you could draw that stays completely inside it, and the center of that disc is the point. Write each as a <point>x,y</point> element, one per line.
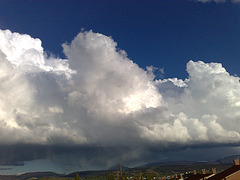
<point>97,97</point>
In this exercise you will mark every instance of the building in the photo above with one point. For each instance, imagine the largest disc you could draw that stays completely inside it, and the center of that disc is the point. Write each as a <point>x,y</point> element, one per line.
<point>232,173</point>
<point>201,176</point>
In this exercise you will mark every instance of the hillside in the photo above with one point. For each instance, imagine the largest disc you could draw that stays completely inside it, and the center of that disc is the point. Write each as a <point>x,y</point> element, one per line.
<point>158,169</point>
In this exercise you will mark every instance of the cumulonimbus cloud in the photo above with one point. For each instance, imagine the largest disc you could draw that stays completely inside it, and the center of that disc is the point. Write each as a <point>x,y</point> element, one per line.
<point>97,96</point>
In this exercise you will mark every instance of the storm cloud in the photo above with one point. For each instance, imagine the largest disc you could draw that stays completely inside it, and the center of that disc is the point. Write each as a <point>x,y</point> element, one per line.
<point>97,98</point>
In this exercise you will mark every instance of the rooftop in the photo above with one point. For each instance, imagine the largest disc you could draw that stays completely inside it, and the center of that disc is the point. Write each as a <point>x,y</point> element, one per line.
<point>225,173</point>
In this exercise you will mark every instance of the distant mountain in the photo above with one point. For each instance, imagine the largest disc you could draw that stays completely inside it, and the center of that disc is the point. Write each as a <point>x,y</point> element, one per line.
<point>225,160</point>
<point>8,177</point>
<point>117,167</point>
<point>89,173</point>
<point>38,175</point>
<point>30,175</point>
<point>228,159</point>
<point>176,163</point>
<point>166,167</point>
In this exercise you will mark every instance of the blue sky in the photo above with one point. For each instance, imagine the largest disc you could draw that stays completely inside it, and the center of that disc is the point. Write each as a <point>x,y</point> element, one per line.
<point>68,93</point>
<point>160,33</point>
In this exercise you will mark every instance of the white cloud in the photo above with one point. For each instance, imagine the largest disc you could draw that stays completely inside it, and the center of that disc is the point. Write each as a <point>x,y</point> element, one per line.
<point>210,95</point>
<point>107,75</point>
<point>97,96</point>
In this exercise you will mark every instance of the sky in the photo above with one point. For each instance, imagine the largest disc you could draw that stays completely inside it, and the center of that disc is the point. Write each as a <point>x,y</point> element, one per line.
<point>88,84</point>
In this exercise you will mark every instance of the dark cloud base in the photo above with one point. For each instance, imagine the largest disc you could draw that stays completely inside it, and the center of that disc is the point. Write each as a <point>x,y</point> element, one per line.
<point>95,157</point>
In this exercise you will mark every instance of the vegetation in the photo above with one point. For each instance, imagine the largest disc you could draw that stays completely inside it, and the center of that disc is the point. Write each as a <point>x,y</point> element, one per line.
<point>56,178</point>
<point>77,177</point>
<point>111,176</point>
